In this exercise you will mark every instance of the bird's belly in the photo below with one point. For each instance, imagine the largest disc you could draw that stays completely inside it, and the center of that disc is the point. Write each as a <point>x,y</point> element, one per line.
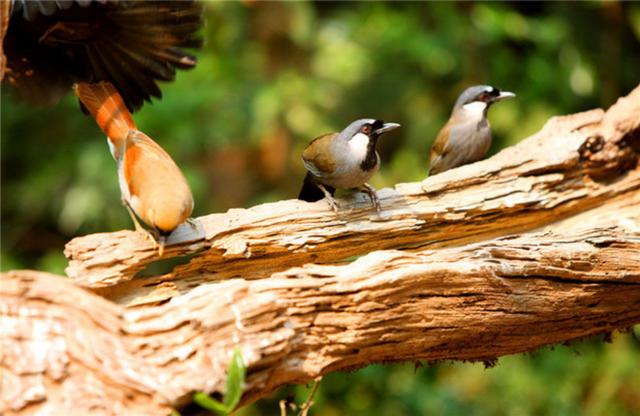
<point>471,149</point>
<point>478,149</point>
<point>350,177</point>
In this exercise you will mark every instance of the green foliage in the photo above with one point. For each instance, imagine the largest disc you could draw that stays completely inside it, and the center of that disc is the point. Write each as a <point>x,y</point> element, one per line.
<point>236,373</point>
<point>274,75</point>
<point>588,378</point>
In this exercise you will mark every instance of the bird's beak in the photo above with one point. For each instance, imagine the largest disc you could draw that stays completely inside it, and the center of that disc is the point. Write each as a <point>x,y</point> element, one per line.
<point>387,127</point>
<point>503,95</point>
<point>162,240</point>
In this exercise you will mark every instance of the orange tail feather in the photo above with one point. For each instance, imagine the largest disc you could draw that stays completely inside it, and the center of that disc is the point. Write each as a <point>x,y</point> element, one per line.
<point>107,107</point>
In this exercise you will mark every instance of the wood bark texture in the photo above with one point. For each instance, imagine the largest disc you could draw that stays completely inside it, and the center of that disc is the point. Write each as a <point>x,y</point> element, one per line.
<point>537,245</point>
<point>5,12</point>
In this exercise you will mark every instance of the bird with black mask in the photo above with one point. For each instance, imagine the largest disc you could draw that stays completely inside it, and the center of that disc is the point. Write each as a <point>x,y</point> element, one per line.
<point>466,137</point>
<point>345,160</point>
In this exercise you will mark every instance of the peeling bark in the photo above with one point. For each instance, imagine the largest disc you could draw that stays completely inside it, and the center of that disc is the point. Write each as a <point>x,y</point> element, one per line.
<point>66,348</point>
<point>574,163</point>
<point>538,245</point>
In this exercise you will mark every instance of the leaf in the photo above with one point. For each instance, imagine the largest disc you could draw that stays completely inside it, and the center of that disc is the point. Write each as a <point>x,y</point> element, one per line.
<point>236,373</point>
<point>205,401</point>
<point>235,380</point>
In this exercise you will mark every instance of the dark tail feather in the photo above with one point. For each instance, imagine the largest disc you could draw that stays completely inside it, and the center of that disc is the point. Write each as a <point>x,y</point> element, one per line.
<point>310,191</point>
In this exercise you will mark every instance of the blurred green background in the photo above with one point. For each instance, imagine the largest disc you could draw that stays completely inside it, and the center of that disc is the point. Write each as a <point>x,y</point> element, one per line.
<point>271,77</point>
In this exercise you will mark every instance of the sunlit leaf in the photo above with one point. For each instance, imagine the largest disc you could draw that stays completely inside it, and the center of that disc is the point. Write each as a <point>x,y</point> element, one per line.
<point>235,380</point>
<point>209,403</point>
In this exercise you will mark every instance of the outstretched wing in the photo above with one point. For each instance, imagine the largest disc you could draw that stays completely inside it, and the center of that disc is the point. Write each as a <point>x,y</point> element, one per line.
<point>132,44</point>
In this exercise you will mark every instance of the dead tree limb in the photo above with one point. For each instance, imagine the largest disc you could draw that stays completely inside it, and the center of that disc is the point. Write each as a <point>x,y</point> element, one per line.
<point>574,163</point>
<point>68,349</point>
<point>537,245</point>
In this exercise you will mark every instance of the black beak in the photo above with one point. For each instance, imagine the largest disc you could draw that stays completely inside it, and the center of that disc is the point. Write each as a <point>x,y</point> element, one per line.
<point>386,127</point>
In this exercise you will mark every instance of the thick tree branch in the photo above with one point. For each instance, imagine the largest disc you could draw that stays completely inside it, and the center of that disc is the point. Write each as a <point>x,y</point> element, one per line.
<point>574,163</point>
<point>475,302</point>
<point>537,245</point>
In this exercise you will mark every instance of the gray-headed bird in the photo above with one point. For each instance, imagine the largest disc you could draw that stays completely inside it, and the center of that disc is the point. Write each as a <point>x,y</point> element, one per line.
<point>466,137</point>
<point>344,160</point>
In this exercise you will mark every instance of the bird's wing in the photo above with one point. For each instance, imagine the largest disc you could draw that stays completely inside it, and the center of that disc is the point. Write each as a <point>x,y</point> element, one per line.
<point>439,150</point>
<point>152,150</point>
<point>158,192</point>
<point>51,44</point>
<point>30,9</point>
<point>317,156</point>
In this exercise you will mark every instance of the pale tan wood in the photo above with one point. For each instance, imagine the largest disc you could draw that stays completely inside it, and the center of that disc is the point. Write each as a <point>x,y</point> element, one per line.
<point>574,163</point>
<point>67,350</point>
<point>535,246</point>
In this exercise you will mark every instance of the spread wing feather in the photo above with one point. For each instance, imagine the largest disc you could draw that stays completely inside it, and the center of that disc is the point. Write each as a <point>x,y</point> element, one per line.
<point>133,45</point>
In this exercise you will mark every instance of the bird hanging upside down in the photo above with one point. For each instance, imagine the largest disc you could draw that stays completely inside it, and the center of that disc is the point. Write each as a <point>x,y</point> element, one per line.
<point>466,137</point>
<point>153,188</point>
<point>343,160</point>
<point>49,45</point>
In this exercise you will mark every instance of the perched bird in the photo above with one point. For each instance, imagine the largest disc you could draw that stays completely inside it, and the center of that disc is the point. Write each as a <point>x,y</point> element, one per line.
<point>466,137</point>
<point>50,44</point>
<point>153,188</point>
<point>343,160</point>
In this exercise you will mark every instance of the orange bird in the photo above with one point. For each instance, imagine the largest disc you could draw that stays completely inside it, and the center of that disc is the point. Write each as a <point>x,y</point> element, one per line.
<point>153,188</point>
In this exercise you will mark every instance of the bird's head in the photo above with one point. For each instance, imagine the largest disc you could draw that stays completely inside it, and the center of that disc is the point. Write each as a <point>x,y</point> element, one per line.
<point>366,130</point>
<point>479,97</point>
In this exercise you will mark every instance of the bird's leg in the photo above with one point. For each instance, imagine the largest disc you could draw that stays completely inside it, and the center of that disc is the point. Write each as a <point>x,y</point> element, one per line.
<point>161,242</point>
<point>139,228</point>
<point>370,190</point>
<point>330,199</point>
<point>136,223</point>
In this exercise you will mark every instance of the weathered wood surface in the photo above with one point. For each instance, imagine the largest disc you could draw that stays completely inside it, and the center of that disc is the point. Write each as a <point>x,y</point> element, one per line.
<point>5,11</point>
<point>574,163</point>
<point>68,350</point>
<point>537,245</point>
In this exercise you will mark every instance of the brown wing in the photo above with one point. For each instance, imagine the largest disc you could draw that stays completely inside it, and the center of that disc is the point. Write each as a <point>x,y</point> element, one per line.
<point>438,151</point>
<point>317,155</point>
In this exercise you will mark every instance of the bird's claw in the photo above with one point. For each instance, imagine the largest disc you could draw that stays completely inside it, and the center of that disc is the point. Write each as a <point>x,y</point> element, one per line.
<point>375,201</point>
<point>332,203</point>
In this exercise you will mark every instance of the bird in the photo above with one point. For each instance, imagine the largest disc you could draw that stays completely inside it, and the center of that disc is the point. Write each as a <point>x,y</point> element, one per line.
<point>466,137</point>
<point>153,188</point>
<point>344,160</point>
<point>49,45</point>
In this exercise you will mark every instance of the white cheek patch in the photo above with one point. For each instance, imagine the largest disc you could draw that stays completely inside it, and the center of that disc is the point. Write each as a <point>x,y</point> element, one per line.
<point>475,109</point>
<point>358,145</point>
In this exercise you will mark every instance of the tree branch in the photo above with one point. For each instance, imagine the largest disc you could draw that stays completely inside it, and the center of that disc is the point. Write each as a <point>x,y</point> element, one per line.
<point>574,163</point>
<point>475,302</point>
<point>537,245</point>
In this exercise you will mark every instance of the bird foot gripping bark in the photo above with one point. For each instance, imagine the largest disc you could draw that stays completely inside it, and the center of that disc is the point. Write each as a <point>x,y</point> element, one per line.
<point>330,199</point>
<point>375,201</point>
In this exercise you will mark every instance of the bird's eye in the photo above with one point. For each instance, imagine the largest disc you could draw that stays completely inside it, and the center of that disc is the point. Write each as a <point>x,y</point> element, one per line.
<point>366,129</point>
<point>483,97</point>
